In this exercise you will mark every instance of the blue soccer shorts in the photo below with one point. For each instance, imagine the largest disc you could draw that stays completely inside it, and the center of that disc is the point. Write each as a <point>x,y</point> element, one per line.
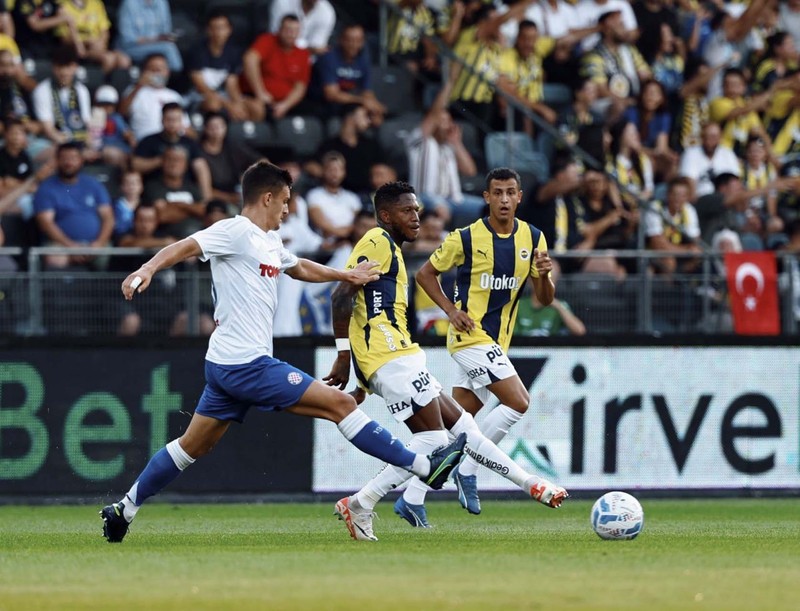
<point>266,383</point>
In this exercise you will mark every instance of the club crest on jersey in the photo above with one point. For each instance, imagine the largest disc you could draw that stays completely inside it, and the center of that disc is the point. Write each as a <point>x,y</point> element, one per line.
<point>524,254</point>
<point>294,378</point>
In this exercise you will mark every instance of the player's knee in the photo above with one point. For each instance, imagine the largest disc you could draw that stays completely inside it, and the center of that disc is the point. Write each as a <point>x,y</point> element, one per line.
<point>520,401</point>
<point>340,408</point>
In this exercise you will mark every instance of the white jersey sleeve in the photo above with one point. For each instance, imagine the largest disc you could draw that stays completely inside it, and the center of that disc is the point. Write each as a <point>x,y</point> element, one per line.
<point>222,238</point>
<point>288,260</point>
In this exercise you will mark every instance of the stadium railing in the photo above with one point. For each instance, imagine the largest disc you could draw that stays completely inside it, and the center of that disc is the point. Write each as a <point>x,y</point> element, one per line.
<point>87,302</point>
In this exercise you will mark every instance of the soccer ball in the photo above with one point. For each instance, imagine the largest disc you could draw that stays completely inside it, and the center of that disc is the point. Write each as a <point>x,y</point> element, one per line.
<point>617,515</point>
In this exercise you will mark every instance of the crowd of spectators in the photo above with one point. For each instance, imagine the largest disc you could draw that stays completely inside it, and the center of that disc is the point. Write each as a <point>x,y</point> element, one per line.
<point>692,108</point>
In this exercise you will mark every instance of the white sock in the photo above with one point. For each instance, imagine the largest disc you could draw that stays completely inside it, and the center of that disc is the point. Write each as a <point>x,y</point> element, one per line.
<point>484,451</point>
<point>181,460</point>
<point>391,477</point>
<point>353,423</point>
<point>494,427</point>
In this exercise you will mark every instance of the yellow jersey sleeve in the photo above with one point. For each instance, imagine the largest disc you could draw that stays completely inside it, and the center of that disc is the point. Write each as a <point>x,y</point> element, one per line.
<point>720,108</point>
<point>544,46</point>
<point>450,253</point>
<point>372,247</point>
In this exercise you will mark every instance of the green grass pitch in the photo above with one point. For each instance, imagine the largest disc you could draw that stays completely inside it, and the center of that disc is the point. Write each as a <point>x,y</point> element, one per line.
<point>713,554</point>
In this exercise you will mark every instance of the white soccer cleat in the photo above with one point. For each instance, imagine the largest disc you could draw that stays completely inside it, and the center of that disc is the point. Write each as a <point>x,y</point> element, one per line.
<point>548,493</point>
<point>359,523</point>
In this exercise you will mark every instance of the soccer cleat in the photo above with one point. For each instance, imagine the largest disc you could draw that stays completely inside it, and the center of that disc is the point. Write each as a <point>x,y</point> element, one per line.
<point>413,514</point>
<point>467,486</point>
<point>548,493</point>
<point>115,526</point>
<point>443,461</point>
<point>359,523</point>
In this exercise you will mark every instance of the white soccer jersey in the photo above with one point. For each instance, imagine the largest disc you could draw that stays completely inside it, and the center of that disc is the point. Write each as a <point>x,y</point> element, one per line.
<point>245,263</point>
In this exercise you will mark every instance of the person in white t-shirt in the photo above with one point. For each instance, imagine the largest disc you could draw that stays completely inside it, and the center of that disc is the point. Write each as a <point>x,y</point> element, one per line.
<point>317,20</point>
<point>703,163</point>
<point>331,208</point>
<point>142,102</point>
<point>247,255</point>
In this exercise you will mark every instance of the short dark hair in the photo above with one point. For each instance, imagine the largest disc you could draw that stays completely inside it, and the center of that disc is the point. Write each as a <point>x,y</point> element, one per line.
<point>65,55</point>
<point>527,23</point>
<point>503,174</point>
<point>170,106</point>
<point>215,114</point>
<point>722,180</point>
<point>734,72</point>
<point>390,193</point>
<point>679,181</point>
<point>13,121</point>
<point>260,177</point>
<point>216,204</point>
<point>153,56</point>
<point>69,145</point>
<point>289,17</point>
<point>217,13</point>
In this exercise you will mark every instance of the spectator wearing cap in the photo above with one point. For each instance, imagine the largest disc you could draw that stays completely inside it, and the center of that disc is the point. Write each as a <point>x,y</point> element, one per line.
<point>614,64</point>
<point>144,28</point>
<point>117,138</point>
<point>276,72</point>
<point>62,104</point>
<point>316,17</point>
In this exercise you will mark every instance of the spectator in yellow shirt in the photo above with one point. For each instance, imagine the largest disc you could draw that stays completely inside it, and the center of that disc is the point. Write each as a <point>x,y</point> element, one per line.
<point>738,115</point>
<point>87,29</point>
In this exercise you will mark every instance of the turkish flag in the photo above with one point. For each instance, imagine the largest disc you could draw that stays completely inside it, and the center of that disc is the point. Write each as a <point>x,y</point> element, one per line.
<point>753,290</point>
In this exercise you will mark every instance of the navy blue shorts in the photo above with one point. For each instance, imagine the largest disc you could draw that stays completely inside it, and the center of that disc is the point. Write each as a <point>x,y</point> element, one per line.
<point>265,383</point>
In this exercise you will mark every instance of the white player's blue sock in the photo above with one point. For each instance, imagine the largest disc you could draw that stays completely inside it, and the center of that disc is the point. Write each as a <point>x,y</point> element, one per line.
<point>164,466</point>
<point>495,426</point>
<point>371,438</point>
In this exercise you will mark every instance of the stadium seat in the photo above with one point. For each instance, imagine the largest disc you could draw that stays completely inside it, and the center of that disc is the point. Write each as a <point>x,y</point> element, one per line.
<point>90,75</point>
<point>392,136</point>
<point>394,87</point>
<point>38,69</point>
<point>108,175</point>
<point>121,79</point>
<point>470,136</point>
<point>515,150</point>
<point>257,135</point>
<point>302,134</point>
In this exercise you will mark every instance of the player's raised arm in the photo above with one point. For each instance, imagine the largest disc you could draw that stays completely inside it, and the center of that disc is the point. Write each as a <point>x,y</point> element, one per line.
<point>543,284</point>
<point>309,271</point>
<point>168,256</point>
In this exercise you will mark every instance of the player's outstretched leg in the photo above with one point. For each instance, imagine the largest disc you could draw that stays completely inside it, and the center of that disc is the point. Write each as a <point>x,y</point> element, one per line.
<point>200,437</point>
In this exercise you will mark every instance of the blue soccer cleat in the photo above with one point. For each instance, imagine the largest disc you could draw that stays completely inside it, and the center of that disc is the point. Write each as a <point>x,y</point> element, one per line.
<point>467,491</point>
<point>413,514</point>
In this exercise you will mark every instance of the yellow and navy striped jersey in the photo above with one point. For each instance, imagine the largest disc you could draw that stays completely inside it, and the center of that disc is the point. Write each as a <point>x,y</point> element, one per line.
<point>491,272</point>
<point>379,325</point>
<point>693,116</point>
<point>527,73</point>
<point>787,140</point>
<point>735,132</point>
<point>484,59</point>
<point>404,29</point>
